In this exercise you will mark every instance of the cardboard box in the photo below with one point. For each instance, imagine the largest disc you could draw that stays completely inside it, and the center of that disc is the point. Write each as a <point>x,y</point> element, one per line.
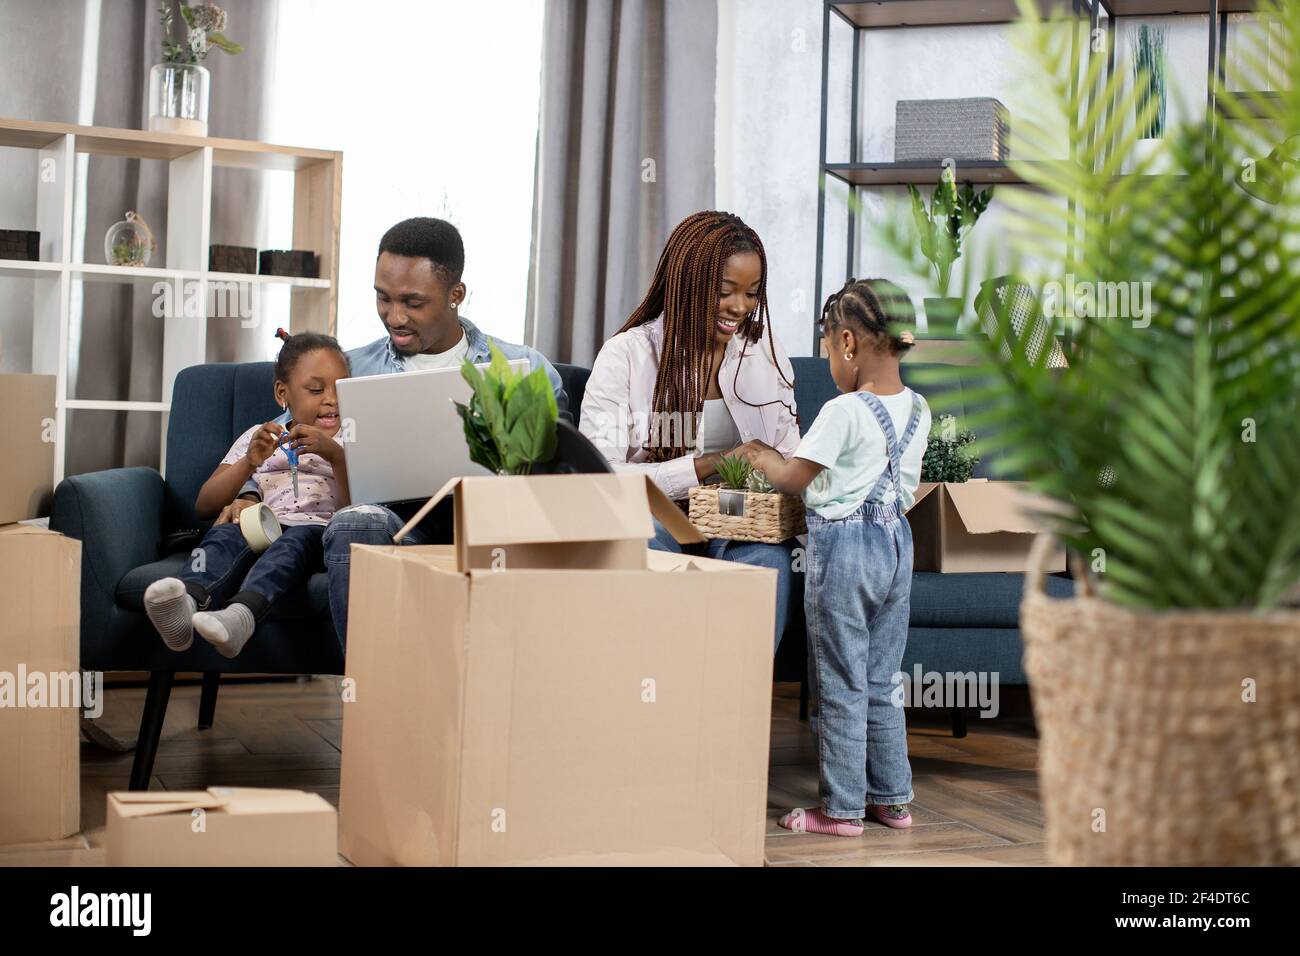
<point>27,479</point>
<point>238,826</point>
<point>40,685</point>
<point>977,525</point>
<point>588,702</point>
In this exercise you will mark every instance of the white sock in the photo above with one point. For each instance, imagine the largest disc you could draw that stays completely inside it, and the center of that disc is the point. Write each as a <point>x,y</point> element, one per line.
<point>171,609</point>
<point>227,630</point>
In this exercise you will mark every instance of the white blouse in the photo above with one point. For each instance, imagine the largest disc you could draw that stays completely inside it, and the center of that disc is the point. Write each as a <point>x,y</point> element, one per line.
<point>617,404</point>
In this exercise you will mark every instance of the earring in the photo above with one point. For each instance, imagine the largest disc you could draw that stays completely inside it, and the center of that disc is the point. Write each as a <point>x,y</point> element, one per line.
<point>848,356</point>
<point>453,305</point>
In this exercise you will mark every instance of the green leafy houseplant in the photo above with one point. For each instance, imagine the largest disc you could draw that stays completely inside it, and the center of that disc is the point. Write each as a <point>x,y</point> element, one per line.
<point>510,420</point>
<point>1170,445</point>
<point>1149,79</point>
<point>943,225</point>
<point>948,456</point>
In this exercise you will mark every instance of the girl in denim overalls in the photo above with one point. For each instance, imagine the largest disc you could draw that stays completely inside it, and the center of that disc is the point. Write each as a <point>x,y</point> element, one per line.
<point>857,468</point>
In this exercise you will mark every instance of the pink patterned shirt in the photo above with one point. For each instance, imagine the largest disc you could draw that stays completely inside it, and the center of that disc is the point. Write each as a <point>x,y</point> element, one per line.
<point>318,496</point>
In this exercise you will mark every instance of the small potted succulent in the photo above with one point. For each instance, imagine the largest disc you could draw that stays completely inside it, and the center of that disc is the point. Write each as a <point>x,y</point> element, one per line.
<point>743,506</point>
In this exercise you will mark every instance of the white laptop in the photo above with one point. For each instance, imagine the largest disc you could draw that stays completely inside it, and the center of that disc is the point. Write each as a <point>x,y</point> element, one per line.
<point>406,439</point>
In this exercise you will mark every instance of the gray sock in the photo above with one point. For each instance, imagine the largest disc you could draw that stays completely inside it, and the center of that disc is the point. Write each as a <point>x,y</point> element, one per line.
<point>171,610</point>
<point>226,630</point>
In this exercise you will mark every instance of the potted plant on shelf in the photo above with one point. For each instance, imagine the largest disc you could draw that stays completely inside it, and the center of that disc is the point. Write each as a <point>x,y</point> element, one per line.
<point>1149,79</point>
<point>510,419</point>
<point>178,86</point>
<point>1166,690</point>
<point>939,232</point>
<point>743,506</point>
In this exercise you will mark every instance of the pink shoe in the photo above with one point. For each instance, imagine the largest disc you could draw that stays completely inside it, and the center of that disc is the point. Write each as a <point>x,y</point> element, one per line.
<point>895,815</point>
<point>812,820</point>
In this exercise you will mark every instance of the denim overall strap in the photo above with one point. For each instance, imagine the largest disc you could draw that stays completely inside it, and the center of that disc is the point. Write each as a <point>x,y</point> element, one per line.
<point>894,447</point>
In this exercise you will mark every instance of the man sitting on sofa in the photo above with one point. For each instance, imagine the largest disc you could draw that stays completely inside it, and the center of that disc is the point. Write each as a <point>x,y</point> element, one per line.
<point>418,293</point>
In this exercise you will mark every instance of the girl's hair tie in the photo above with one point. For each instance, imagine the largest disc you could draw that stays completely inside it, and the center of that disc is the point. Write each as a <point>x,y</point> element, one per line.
<point>282,335</point>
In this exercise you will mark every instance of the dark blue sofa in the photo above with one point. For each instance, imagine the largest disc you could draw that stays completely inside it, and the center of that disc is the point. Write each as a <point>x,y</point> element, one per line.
<point>128,518</point>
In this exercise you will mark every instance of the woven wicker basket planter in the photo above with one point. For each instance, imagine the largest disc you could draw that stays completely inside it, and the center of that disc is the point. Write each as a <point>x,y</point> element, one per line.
<point>1150,753</point>
<point>767,518</point>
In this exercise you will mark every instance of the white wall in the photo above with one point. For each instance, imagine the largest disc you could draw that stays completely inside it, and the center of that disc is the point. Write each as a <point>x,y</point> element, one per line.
<point>768,96</point>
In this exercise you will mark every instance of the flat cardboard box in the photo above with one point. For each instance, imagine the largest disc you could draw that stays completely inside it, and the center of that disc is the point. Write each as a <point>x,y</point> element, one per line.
<point>40,611</point>
<point>977,525</point>
<point>27,479</point>
<point>238,826</point>
<point>611,714</point>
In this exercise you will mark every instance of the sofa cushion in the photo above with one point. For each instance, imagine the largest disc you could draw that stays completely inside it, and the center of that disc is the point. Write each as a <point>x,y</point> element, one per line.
<point>309,602</point>
<point>979,599</point>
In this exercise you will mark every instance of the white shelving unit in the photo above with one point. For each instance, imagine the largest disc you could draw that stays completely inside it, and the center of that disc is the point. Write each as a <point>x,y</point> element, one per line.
<point>190,159</point>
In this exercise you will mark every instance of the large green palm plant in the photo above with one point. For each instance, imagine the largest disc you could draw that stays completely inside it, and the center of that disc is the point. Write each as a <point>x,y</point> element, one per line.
<point>1172,443</point>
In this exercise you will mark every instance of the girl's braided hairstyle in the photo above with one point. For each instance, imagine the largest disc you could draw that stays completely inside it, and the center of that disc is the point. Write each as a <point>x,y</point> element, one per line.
<point>299,344</point>
<point>684,291</point>
<point>877,307</point>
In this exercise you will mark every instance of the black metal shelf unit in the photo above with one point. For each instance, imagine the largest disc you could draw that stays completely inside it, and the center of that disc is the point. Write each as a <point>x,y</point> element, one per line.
<point>862,15</point>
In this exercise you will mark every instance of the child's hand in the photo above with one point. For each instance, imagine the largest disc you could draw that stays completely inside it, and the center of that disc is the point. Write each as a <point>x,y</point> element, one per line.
<point>262,445</point>
<point>230,513</point>
<point>752,450</point>
<point>309,438</point>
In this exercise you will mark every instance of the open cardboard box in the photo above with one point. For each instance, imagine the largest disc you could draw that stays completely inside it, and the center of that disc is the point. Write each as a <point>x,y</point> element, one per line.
<point>41,690</point>
<point>221,826</point>
<point>977,525</point>
<point>549,691</point>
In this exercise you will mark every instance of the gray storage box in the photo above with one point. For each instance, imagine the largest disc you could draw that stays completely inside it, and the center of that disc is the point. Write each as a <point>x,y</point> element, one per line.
<point>970,129</point>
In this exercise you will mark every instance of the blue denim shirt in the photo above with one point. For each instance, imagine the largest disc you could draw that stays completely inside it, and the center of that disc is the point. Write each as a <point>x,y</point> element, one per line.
<point>380,358</point>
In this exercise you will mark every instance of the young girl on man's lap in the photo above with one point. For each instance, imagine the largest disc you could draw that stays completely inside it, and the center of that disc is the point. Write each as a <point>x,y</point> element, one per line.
<point>227,588</point>
<point>858,468</point>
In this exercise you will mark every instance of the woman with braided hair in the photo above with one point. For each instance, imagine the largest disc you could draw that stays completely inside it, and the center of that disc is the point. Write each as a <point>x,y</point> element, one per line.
<point>695,374</point>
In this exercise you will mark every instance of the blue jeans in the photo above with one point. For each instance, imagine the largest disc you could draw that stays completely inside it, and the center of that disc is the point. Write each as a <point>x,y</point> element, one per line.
<point>372,524</point>
<point>779,557</point>
<point>857,603</point>
<point>227,562</point>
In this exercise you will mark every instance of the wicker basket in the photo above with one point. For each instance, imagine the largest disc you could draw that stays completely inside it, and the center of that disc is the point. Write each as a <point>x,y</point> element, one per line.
<point>746,515</point>
<point>1146,730</point>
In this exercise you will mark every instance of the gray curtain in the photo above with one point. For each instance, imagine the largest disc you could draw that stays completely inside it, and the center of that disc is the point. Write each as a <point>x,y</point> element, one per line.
<point>121,342</point>
<point>624,152</point>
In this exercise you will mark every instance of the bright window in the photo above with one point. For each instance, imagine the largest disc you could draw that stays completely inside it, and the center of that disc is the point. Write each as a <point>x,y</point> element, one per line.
<point>434,105</point>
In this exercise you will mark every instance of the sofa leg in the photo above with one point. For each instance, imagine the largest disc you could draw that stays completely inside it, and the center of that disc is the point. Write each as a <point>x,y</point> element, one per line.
<point>958,722</point>
<point>151,725</point>
<point>208,698</point>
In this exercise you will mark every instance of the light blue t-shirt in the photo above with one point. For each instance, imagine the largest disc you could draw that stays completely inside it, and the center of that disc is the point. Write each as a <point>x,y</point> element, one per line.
<point>847,441</point>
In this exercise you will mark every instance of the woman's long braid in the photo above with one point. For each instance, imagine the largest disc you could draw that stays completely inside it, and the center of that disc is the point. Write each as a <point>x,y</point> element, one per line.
<point>684,291</point>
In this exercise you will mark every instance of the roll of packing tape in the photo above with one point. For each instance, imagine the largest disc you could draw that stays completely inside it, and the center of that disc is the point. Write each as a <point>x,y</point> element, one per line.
<point>260,526</point>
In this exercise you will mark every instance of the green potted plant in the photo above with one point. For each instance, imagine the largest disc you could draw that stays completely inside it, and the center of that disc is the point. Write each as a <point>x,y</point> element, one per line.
<point>1165,692</point>
<point>510,419</point>
<point>743,506</point>
<point>948,455</point>
<point>940,229</point>
<point>1150,108</point>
